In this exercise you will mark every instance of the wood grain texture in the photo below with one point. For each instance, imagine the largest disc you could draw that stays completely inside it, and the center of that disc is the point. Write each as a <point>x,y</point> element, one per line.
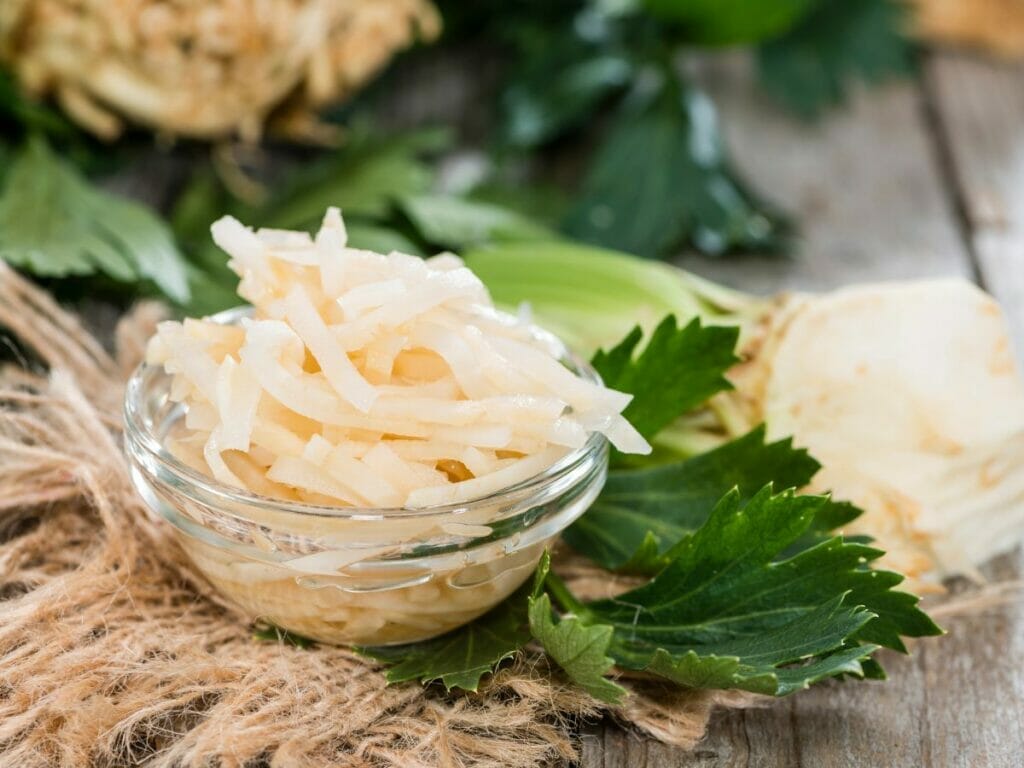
<point>978,109</point>
<point>876,201</point>
<point>862,184</point>
<point>975,687</point>
<point>979,113</point>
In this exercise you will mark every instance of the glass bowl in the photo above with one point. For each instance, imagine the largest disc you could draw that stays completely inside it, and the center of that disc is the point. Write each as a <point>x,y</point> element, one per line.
<point>350,575</point>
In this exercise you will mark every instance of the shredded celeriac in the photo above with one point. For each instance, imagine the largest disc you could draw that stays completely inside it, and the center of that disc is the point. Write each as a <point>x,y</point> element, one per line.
<point>373,380</point>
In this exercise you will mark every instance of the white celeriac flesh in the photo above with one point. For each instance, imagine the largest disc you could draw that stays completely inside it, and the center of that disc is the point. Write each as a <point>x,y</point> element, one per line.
<point>910,397</point>
<point>373,380</point>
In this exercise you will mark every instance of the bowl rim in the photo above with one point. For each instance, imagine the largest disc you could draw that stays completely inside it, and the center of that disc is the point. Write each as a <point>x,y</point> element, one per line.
<point>140,438</point>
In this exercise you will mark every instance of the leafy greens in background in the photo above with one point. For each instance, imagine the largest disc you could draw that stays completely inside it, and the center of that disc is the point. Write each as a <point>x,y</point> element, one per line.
<point>560,80</point>
<point>660,179</point>
<point>608,294</point>
<point>726,22</point>
<point>364,177</point>
<point>457,223</point>
<point>22,117</point>
<point>383,185</point>
<point>810,67</point>
<point>603,73</point>
<point>54,223</point>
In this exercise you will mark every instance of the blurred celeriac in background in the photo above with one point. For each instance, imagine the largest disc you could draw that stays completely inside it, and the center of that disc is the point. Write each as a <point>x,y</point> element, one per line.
<point>204,69</point>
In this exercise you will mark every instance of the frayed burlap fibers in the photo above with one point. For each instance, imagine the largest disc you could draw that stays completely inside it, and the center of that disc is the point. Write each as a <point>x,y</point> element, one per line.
<point>114,652</point>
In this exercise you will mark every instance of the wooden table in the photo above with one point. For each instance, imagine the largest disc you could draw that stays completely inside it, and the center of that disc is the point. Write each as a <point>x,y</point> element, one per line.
<point>911,180</point>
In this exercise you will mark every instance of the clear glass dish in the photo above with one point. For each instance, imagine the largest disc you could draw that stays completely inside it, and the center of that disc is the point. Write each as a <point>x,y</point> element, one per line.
<point>346,575</point>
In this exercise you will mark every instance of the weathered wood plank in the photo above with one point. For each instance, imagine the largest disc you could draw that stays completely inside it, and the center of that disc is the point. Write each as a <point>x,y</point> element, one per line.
<point>759,738</point>
<point>862,184</point>
<point>979,109</point>
<point>866,724</point>
<point>975,684</point>
<point>979,105</point>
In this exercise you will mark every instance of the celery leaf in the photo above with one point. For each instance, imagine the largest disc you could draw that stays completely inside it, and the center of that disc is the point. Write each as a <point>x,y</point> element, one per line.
<point>460,658</point>
<point>581,650</point>
<point>662,178</point>
<point>727,612</point>
<point>452,222</point>
<point>813,65</point>
<point>53,223</point>
<point>642,512</point>
<point>729,22</point>
<point>678,369</point>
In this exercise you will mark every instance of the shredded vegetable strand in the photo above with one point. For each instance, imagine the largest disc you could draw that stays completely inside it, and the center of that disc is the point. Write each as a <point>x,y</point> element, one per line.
<point>373,380</point>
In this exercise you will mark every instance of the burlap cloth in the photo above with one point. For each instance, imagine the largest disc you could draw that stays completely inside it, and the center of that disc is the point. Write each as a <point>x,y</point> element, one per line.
<point>114,652</point>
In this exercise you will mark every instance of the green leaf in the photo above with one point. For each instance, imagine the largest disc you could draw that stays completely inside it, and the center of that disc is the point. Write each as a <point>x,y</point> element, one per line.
<point>724,582</point>
<point>210,293</point>
<point>568,59</point>
<point>461,657</point>
<point>810,68</point>
<point>648,557</point>
<point>23,116</point>
<point>592,297</point>
<point>363,179</point>
<point>721,22</point>
<point>202,200</point>
<point>17,110</point>
<point>560,89</point>
<point>679,369</point>
<point>54,224</point>
<point>641,513</point>
<point>456,223</point>
<point>380,238</point>
<point>544,204</point>
<point>873,670</point>
<point>727,613</point>
<point>541,574</point>
<point>845,561</point>
<point>753,664</point>
<point>579,649</point>
<point>830,517</point>
<point>661,179</point>
<point>144,237</point>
